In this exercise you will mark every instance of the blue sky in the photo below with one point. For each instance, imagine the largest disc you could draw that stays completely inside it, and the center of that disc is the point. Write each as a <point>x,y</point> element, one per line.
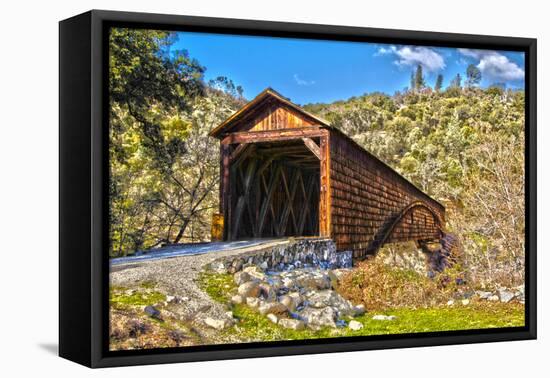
<point>309,71</point>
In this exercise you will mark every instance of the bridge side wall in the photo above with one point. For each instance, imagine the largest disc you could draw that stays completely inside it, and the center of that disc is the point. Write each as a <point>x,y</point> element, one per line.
<point>365,193</point>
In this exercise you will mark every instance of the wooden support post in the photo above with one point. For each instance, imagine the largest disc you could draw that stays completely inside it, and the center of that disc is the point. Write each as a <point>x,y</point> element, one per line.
<point>225,189</point>
<point>324,187</point>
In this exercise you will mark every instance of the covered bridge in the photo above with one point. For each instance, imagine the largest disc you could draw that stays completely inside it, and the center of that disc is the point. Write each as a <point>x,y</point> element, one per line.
<point>287,172</point>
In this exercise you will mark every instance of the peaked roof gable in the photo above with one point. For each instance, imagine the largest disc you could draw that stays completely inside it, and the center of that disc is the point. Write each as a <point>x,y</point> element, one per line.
<point>251,107</point>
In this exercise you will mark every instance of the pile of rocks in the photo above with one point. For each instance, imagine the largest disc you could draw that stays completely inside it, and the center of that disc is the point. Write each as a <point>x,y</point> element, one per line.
<point>504,295</point>
<point>296,299</point>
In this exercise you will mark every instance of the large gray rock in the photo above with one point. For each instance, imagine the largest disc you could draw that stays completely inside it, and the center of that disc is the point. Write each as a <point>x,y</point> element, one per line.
<point>324,298</point>
<point>249,289</point>
<point>241,277</point>
<point>237,299</point>
<point>317,318</point>
<point>505,295</point>
<point>316,281</point>
<point>484,294</point>
<point>152,312</point>
<point>294,324</point>
<point>255,272</point>
<point>218,324</point>
<point>267,292</point>
<point>354,325</point>
<point>252,302</point>
<point>291,300</point>
<point>384,317</point>
<point>359,310</point>
<point>272,308</point>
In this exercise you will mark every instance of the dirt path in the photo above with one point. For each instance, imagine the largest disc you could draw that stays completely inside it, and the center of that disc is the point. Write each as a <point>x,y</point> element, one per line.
<point>177,276</point>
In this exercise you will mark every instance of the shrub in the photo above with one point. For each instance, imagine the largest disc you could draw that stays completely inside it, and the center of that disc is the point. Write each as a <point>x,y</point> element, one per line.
<point>380,287</point>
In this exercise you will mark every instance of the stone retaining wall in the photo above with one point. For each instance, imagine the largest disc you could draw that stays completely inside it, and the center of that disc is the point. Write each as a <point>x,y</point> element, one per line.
<point>296,253</point>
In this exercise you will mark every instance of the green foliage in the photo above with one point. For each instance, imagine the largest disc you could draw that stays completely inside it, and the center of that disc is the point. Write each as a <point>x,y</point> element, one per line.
<point>438,83</point>
<point>456,82</point>
<point>464,148</point>
<point>473,75</point>
<point>419,81</point>
<point>122,298</point>
<point>164,167</point>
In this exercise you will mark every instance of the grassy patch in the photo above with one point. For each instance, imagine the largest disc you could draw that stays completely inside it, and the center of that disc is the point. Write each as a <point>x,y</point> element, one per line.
<point>217,285</point>
<point>252,326</point>
<point>120,297</point>
<point>478,315</point>
<point>131,328</point>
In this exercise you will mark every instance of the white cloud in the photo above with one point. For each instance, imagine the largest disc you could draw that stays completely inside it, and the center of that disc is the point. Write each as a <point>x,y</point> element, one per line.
<point>430,59</point>
<point>385,51</point>
<point>494,65</point>
<point>303,82</point>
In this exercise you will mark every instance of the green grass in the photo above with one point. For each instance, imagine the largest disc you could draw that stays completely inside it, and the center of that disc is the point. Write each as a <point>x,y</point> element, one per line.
<point>217,285</point>
<point>477,315</point>
<point>119,298</point>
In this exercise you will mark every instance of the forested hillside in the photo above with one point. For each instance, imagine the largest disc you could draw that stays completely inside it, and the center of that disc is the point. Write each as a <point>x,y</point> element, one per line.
<point>462,145</point>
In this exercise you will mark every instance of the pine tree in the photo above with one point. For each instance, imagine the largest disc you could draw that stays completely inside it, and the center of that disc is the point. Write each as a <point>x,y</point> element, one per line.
<point>457,81</point>
<point>419,81</point>
<point>438,83</point>
<point>473,76</point>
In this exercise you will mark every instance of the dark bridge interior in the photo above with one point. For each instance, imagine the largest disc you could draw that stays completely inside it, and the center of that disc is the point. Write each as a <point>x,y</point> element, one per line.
<point>275,191</point>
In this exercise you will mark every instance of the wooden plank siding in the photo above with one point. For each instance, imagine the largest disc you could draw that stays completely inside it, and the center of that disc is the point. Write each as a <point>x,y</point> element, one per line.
<point>366,193</point>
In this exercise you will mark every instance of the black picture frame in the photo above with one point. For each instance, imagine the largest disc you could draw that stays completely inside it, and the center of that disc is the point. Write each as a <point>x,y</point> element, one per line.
<point>83,206</point>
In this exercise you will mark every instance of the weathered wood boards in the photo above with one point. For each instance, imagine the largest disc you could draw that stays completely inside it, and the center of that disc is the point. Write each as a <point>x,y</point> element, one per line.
<point>285,172</point>
<point>367,195</point>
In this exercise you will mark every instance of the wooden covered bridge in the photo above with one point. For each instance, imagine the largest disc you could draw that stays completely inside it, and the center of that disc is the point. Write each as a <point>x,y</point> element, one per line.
<point>286,172</point>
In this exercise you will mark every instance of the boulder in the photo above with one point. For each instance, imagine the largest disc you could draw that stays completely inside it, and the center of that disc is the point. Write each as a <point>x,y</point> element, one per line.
<point>359,310</point>
<point>314,281</point>
<point>218,324</point>
<point>273,318</point>
<point>324,298</point>
<point>465,302</point>
<point>384,317</point>
<point>354,325</point>
<point>493,298</point>
<point>152,312</point>
<point>484,294</point>
<point>241,277</point>
<point>289,282</point>
<point>505,295</point>
<point>267,292</point>
<point>255,272</point>
<point>319,317</point>
<point>293,324</point>
<point>237,299</point>
<point>272,308</point>
<point>218,267</point>
<point>252,302</point>
<point>249,289</point>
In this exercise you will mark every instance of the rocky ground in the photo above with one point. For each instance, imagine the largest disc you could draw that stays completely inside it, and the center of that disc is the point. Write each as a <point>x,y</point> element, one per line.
<point>232,297</point>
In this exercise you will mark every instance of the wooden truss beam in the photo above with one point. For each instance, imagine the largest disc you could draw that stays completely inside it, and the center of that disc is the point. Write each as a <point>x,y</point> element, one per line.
<point>274,135</point>
<point>313,147</point>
